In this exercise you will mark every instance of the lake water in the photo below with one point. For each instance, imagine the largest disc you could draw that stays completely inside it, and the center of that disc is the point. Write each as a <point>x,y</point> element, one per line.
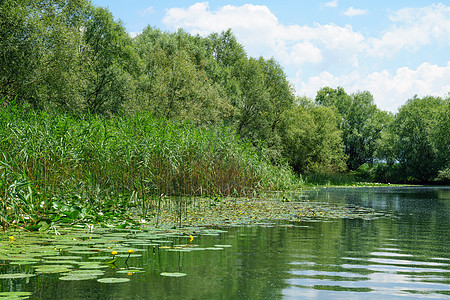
<point>404,255</point>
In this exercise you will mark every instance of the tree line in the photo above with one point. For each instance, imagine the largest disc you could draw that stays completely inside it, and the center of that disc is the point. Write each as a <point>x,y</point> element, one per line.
<point>74,57</point>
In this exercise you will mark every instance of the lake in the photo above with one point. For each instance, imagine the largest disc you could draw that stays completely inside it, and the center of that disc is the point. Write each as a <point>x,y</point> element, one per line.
<point>403,255</point>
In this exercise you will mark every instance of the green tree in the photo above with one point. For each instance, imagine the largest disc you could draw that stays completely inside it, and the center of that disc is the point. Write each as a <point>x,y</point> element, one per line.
<point>361,123</point>
<point>174,82</point>
<point>225,48</point>
<point>423,144</point>
<point>40,59</point>
<point>312,140</point>
<point>110,60</point>
<point>18,55</point>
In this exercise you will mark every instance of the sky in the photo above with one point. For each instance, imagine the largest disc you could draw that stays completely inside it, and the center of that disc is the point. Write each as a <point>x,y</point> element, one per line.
<point>393,49</point>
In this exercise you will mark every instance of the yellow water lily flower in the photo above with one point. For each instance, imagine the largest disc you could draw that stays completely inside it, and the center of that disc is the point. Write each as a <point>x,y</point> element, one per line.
<point>130,251</point>
<point>114,252</point>
<point>192,238</point>
<point>11,238</point>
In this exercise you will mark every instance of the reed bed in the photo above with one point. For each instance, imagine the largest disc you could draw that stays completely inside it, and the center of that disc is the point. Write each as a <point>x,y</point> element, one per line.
<point>46,158</point>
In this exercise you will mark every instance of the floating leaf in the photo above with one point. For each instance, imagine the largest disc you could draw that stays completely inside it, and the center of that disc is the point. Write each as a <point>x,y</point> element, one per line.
<point>101,257</point>
<point>127,271</point>
<point>72,262</point>
<point>223,246</point>
<point>16,275</point>
<point>180,250</point>
<point>86,272</point>
<point>113,280</point>
<point>82,252</point>
<point>92,265</point>
<point>49,269</point>
<point>129,255</point>
<point>78,277</point>
<point>174,274</point>
<point>15,295</point>
<point>63,257</point>
<point>23,262</point>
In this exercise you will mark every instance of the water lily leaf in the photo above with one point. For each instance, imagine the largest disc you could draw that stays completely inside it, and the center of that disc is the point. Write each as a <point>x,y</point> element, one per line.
<point>223,246</point>
<point>113,280</point>
<point>83,252</point>
<point>86,272</point>
<point>109,262</point>
<point>130,255</point>
<point>101,257</point>
<point>174,274</point>
<point>92,265</point>
<point>60,257</point>
<point>180,250</point>
<point>49,269</point>
<point>23,262</point>
<point>16,275</point>
<point>130,271</point>
<point>162,241</point>
<point>78,277</point>
<point>72,262</point>
<point>15,295</point>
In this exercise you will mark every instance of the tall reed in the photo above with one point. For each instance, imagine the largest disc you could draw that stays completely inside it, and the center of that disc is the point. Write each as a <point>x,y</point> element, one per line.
<point>96,158</point>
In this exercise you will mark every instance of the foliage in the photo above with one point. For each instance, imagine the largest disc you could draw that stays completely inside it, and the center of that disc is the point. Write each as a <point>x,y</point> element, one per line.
<point>74,58</point>
<point>311,139</point>
<point>362,123</point>
<point>80,166</point>
<point>422,149</point>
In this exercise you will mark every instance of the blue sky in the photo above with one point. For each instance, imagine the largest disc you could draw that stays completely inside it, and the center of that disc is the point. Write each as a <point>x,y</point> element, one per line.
<point>393,49</point>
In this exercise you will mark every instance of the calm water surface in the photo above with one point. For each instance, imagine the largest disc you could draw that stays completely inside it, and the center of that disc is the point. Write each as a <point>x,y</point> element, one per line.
<point>402,256</point>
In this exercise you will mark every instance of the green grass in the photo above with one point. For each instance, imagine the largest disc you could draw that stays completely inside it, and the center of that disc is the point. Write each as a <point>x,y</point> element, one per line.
<point>48,161</point>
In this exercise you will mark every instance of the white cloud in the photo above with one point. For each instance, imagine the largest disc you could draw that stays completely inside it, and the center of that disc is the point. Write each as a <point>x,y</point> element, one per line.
<point>262,34</point>
<point>351,12</point>
<point>333,3</point>
<point>147,11</point>
<point>413,28</point>
<point>333,51</point>
<point>390,90</point>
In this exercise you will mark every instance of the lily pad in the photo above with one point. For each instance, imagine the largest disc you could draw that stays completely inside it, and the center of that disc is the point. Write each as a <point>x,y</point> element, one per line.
<point>63,257</point>
<point>127,271</point>
<point>131,255</point>
<point>78,277</point>
<point>92,265</point>
<point>180,250</point>
<point>15,295</point>
<point>173,274</point>
<point>49,269</point>
<point>16,275</point>
<point>86,272</point>
<point>72,262</point>
<point>101,257</point>
<point>113,280</point>
<point>23,262</point>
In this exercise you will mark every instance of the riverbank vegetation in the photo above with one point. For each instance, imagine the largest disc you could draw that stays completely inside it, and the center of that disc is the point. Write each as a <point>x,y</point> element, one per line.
<point>91,117</point>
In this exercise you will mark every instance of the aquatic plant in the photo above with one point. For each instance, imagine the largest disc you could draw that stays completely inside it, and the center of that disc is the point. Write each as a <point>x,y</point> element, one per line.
<point>66,169</point>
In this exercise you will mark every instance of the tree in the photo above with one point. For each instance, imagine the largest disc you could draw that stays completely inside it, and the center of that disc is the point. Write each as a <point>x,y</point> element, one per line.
<point>312,140</point>
<point>361,123</point>
<point>174,81</point>
<point>225,48</point>
<point>111,60</point>
<point>40,59</point>
<point>422,146</point>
